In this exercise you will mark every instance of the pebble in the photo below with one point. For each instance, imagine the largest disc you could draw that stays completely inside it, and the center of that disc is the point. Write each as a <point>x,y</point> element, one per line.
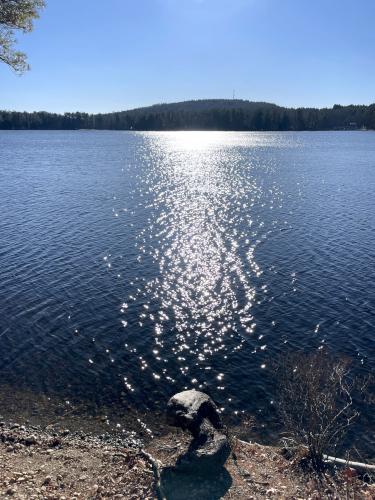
<point>55,442</point>
<point>271,491</point>
<point>31,440</point>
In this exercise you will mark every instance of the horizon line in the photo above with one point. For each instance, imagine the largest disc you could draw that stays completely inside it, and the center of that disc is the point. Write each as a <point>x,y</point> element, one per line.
<point>164,103</point>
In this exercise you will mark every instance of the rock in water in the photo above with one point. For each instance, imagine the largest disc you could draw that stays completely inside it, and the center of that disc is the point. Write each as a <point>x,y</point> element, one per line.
<point>196,412</point>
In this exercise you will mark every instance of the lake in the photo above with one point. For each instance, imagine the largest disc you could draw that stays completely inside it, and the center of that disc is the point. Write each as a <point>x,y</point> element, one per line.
<point>134,265</point>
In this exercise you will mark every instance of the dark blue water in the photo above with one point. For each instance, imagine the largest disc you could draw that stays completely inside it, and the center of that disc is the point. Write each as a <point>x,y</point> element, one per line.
<point>133,265</point>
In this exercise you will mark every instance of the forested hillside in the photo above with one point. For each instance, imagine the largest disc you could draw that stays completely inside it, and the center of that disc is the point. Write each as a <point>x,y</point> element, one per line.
<point>210,114</point>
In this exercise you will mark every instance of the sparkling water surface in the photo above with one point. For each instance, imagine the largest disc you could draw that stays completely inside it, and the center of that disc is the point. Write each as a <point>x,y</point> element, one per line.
<point>134,265</point>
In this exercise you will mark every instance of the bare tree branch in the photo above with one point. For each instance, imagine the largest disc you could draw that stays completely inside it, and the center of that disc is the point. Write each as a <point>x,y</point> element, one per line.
<point>315,401</point>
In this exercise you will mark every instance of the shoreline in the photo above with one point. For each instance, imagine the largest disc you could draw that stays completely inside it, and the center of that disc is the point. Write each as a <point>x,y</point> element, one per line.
<point>59,464</point>
<point>50,450</point>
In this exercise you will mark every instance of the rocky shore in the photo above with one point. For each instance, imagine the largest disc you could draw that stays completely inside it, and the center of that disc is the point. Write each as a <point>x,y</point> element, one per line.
<point>39,464</point>
<point>50,449</point>
<point>63,464</point>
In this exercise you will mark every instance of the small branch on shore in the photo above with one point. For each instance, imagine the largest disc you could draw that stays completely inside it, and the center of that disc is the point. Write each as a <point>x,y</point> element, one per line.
<point>156,467</point>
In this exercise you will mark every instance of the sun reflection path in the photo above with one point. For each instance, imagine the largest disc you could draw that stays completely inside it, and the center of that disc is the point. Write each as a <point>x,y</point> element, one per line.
<point>202,232</point>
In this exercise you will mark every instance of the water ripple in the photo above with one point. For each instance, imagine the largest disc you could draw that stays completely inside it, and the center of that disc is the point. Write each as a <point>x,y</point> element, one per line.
<point>133,265</point>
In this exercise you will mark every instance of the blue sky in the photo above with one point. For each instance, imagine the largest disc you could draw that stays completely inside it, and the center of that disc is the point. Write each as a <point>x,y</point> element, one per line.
<point>108,55</point>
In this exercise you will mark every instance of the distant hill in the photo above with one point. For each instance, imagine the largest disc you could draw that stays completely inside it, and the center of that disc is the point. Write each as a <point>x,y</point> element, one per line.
<point>205,114</point>
<point>204,105</point>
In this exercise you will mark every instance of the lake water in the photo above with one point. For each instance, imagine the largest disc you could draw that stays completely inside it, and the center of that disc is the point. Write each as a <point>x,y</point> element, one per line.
<point>134,265</point>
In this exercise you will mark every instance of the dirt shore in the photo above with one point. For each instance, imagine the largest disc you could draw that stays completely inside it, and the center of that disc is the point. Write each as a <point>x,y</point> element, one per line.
<point>58,463</point>
<point>51,448</point>
<point>37,464</point>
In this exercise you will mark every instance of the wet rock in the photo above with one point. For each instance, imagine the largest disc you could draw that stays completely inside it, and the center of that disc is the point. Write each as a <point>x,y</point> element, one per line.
<point>196,412</point>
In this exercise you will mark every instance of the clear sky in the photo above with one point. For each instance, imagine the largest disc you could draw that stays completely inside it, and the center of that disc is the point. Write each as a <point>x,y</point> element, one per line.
<point>107,55</point>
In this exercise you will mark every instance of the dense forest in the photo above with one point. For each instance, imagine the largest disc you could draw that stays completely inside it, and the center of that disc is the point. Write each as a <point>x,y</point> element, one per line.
<point>211,114</point>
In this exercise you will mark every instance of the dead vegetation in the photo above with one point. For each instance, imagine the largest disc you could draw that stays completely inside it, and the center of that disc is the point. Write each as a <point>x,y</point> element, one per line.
<point>315,403</point>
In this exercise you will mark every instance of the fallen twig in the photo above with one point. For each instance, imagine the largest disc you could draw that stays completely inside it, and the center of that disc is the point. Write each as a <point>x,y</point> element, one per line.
<point>156,466</point>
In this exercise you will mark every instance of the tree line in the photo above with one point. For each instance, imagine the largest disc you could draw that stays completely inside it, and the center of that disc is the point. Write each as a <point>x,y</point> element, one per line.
<point>200,115</point>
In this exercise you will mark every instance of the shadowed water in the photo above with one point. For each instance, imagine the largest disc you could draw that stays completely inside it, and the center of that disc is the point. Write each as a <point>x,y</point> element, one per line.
<point>133,265</point>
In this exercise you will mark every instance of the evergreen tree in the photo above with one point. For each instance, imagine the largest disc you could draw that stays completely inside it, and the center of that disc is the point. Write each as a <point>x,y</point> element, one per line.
<point>16,15</point>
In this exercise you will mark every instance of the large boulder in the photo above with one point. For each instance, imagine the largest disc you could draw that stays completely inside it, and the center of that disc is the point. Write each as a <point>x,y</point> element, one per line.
<point>196,412</point>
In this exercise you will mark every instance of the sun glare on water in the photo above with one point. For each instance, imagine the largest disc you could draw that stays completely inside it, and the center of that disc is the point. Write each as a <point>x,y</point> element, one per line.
<point>201,236</point>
